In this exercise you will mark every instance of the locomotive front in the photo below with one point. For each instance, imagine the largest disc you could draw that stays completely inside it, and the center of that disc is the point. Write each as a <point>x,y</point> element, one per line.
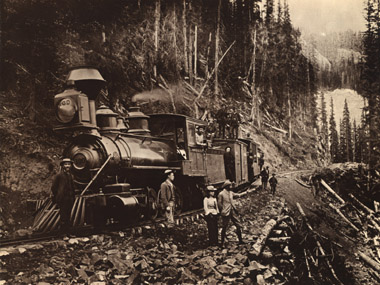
<point>110,159</point>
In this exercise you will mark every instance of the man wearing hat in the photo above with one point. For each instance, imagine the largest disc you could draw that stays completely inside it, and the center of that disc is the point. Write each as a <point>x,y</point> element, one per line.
<point>228,210</point>
<point>168,196</point>
<point>210,206</point>
<point>63,192</point>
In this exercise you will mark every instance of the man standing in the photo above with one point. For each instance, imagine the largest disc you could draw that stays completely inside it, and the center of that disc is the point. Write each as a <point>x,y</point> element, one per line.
<point>264,177</point>
<point>228,211</point>
<point>221,117</point>
<point>168,196</point>
<point>273,183</point>
<point>229,164</point>
<point>261,161</point>
<point>63,193</point>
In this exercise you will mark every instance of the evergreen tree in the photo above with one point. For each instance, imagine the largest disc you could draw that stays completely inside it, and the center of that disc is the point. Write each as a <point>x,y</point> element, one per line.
<point>334,143</point>
<point>342,143</point>
<point>346,131</point>
<point>370,79</point>
<point>324,125</point>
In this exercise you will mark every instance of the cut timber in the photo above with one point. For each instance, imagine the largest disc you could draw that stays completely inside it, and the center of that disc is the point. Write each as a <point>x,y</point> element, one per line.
<point>332,191</point>
<point>302,184</point>
<point>343,217</point>
<point>304,216</point>
<point>307,264</point>
<point>328,262</point>
<point>376,243</point>
<point>370,211</point>
<point>375,265</point>
<point>276,129</point>
<point>261,241</point>
<point>279,239</point>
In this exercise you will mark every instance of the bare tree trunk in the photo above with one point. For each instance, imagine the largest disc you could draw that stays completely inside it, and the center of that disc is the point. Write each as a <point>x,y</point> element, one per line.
<point>216,86</point>
<point>208,53</point>
<point>253,85</point>
<point>185,37</point>
<point>175,39</point>
<point>191,56</point>
<point>290,111</point>
<point>195,50</point>
<point>156,32</point>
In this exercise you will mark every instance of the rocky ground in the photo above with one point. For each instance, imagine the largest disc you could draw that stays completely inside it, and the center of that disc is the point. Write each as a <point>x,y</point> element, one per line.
<point>181,255</point>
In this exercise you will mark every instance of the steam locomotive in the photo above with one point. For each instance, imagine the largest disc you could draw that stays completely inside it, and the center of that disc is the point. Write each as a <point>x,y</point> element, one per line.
<point>119,162</point>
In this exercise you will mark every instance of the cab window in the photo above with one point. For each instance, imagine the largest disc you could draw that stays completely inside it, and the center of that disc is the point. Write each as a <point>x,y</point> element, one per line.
<point>191,134</point>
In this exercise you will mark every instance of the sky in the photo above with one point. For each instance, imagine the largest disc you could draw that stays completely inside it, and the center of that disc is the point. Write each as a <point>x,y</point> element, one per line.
<point>323,16</point>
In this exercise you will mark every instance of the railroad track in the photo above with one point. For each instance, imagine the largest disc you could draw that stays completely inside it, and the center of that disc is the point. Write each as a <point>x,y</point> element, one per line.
<point>109,229</point>
<point>112,228</point>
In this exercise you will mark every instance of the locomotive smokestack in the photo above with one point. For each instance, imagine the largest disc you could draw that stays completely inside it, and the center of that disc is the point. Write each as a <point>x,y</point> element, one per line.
<point>87,79</point>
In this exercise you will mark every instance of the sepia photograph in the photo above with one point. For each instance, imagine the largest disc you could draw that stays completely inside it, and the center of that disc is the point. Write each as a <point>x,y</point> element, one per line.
<point>189,142</point>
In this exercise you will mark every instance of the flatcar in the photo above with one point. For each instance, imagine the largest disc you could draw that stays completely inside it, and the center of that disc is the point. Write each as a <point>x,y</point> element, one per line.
<point>118,162</point>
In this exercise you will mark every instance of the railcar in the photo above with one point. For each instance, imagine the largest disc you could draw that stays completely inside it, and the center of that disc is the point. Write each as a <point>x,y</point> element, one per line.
<point>118,162</point>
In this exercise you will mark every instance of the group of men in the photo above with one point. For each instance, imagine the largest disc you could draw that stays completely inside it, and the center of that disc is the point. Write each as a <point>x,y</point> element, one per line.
<point>228,121</point>
<point>264,174</point>
<point>224,206</point>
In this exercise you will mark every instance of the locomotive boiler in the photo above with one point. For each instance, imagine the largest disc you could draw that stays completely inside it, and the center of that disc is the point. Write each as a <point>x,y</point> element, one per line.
<point>118,162</point>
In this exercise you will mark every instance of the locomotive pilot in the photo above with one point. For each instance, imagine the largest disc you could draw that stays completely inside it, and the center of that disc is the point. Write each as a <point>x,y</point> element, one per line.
<point>168,196</point>
<point>63,193</point>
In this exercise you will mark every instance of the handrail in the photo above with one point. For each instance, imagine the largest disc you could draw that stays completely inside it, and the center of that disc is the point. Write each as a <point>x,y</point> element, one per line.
<point>96,175</point>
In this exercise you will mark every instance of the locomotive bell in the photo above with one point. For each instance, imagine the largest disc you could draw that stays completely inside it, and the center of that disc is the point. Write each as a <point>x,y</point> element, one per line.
<point>106,119</point>
<point>86,79</point>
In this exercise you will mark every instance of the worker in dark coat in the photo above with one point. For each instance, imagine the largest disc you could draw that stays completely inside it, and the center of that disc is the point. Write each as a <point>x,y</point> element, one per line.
<point>64,193</point>
<point>235,123</point>
<point>229,164</point>
<point>221,117</point>
<point>168,197</point>
<point>273,183</point>
<point>228,211</point>
<point>264,177</point>
<point>261,161</point>
<point>316,184</point>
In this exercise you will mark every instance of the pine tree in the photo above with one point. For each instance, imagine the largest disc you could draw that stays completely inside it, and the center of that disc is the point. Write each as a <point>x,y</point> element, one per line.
<point>346,132</point>
<point>334,143</point>
<point>324,125</point>
<point>342,143</point>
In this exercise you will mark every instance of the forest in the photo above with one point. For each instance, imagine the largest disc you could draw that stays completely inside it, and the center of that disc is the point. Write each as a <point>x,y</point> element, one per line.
<point>192,56</point>
<point>244,51</point>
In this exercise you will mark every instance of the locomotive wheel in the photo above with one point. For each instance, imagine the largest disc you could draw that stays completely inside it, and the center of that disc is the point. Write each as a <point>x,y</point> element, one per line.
<point>152,203</point>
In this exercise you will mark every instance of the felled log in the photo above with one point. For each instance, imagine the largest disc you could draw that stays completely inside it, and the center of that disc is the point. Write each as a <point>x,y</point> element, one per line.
<point>275,128</point>
<point>307,264</point>
<point>343,217</point>
<point>375,265</point>
<point>376,206</point>
<point>261,241</point>
<point>319,244</point>
<point>377,245</point>
<point>301,183</point>
<point>328,188</point>
<point>368,210</point>
<point>279,239</point>
<point>328,262</point>
<point>304,216</point>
